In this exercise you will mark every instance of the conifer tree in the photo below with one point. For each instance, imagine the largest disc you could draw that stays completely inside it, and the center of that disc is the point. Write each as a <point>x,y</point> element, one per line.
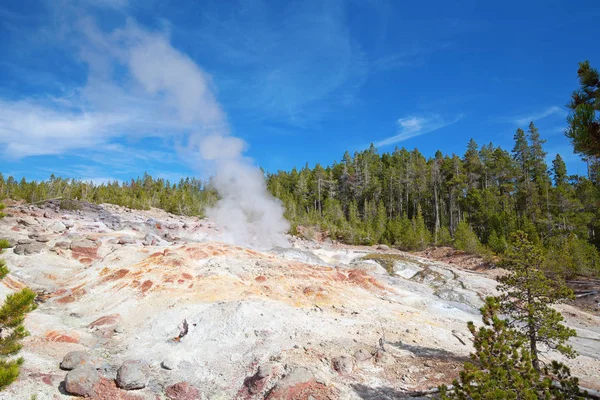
<point>502,367</point>
<point>12,331</point>
<point>527,296</point>
<point>584,122</point>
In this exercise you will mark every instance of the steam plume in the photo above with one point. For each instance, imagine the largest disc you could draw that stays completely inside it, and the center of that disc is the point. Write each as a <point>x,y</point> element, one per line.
<point>246,210</point>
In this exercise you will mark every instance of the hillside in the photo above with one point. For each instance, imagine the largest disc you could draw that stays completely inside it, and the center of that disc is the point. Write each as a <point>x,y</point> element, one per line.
<point>317,318</point>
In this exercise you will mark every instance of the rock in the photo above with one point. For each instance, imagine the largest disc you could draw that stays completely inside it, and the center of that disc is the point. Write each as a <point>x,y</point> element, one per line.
<point>153,240</point>
<point>383,247</point>
<point>68,224</point>
<point>84,248</point>
<point>107,321</point>
<point>172,225</point>
<point>28,249</point>
<point>24,241</point>
<point>83,244</point>
<point>258,382</point>
<point>76,359</point>
<point>119,329</point>
<point>169,237</point>
<point>169,363</point>
<point>57,227</point>
<point>384,358</point>
<point>363,355</point>
<point>126,240</point>
<point>42,239</point>
<point>265,370</point>
<point>63,245</point>
<point>133,374</point>
<point>182,391</point>
<point>81,381</point>
<point>301,383</point>
<point>343,364</point>
<point>27,221</point>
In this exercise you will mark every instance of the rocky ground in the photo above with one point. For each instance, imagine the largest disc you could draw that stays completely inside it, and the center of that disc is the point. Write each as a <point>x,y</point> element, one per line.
<point>148,305</point>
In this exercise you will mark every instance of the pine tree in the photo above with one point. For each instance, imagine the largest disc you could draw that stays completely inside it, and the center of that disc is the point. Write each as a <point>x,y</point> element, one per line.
<point>527,296</point>
<point>12,331</point>
<point>559,170</point>
<point>465,239</point>
<point>502,367</point>
<point>584,122</point>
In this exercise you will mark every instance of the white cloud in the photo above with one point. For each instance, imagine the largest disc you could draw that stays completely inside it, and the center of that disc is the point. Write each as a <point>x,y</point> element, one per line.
<point>162,93</point>
<point>412,126</point>
<point>525,120</point>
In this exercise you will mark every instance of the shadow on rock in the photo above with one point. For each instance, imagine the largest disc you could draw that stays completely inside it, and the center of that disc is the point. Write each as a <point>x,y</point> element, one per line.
<point>378,393</point>
<point>430,352</point>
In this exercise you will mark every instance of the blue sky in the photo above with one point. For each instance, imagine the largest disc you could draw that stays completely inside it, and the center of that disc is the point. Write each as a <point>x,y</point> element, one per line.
<point>108,89</point>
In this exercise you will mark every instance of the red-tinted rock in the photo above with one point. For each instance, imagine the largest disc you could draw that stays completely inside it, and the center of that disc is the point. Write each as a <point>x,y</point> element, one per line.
<point>106,321</point>
<point>182,391</point>
<point>301,384</point>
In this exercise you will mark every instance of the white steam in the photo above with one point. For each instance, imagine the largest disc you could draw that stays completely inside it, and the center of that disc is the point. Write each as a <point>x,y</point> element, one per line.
<point>246,211</point>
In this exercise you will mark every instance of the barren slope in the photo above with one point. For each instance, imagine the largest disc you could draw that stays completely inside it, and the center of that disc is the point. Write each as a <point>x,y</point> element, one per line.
<point>119,283</point>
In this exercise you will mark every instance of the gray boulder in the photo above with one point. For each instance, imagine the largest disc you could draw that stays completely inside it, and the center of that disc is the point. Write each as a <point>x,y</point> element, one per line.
<point>82,381</point>
<point>24,241</point>
<point>63,245</point>
<point>169,363</point>
<point>28,249</point>
<point>126,240</point>
<point>27,221</point>
<point>133,374</point>
<point>75,359</point>
<point>42,239</point>
<point>343,364</point>
<point>57,227</point>
<point>83,244</point>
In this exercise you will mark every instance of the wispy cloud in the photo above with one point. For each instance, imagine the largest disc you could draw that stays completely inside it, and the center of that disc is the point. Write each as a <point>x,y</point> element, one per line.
<point>127,95</point>
<point>298,61</point>
<point>526,119</point>
<point>412,126</point>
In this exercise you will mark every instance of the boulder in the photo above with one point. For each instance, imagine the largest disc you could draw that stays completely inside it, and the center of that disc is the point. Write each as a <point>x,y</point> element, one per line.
<point>152,239</point>
<point>169,363</point>
<point>301,383</point>
<point>82,380</point>
<point>343,364</point>
<point>267,369</point>
<point>133,374</point>
<point>76,359</point>
<point>63,245</point>
<point>383,247</point>
<point>126,240</point>
<point>24,241</point>
<point>27,221</point>
<point>182,391</point>
<point>363,355</point>
<point>384,358</point>
<point>42,239</point>
<point>28,249</point>
<point>84,248</point>
<point>57,227</point>
<point>83,244</point>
